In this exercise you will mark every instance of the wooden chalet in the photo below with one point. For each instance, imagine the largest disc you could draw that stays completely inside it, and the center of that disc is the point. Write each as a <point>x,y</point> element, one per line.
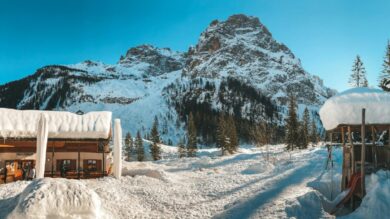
<point>77,145</point>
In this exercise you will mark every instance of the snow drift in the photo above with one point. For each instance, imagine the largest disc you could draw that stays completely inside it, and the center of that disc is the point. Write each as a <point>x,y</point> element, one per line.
<point>24,124</point>
<point>57,198</point>
<point>346,108</point>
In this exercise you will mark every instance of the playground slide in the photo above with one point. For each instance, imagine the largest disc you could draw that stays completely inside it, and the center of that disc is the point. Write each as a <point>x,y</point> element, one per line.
<point>352,185</point>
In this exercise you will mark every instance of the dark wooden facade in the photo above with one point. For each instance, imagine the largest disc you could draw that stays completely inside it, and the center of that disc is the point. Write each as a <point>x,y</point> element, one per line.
<point>84,158</point>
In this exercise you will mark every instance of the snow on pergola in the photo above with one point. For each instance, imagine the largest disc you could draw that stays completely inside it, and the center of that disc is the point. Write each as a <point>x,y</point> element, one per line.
<point>346,108</point>
<point>61,125</point>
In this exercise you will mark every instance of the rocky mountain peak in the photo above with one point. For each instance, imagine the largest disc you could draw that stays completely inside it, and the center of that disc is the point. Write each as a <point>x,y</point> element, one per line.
<point>220,34</point>
<point>153,60</point>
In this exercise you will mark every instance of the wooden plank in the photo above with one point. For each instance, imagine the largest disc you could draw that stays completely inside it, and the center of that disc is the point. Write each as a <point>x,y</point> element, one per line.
<point>363,156</point>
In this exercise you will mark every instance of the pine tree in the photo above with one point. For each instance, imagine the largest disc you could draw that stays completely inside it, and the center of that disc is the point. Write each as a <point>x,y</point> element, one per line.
<point>181,149</point>
<point>155,149</point>
<point>292,125</point>
<point>305,129</point>
<point>358,76</point>
<point>154,134</point>
<point>140,147</point>
<point>384,78</point>
<point>314,133</point>
<point>222,139</point>
<point>232,135</point>
<point>128,146</point>
<point>191,136</point>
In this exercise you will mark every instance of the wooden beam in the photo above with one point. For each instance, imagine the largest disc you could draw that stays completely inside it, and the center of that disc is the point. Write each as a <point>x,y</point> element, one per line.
<point>352,151</point>
<point>363,161</point>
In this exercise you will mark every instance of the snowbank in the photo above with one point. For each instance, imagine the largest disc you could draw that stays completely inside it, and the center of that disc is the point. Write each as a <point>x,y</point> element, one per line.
<point>377,200</point>
<point>57,198</point>
<point>24,124</point>
<point>346,108</point>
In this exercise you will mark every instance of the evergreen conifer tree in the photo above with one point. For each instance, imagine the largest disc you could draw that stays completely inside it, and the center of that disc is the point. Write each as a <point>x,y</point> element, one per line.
<point>384,78</point>
<point>292,124</point>
<point>358,76</point>
<point>154,134</point>
<point>140,147</point>
<point>191,136</point>
<point>305,129</point>
<point>128,146</point>
<point>314,133</point>
<point>222,139</point>
<point>181,149</point>
<point>232,135</point>
<point>155,149</point>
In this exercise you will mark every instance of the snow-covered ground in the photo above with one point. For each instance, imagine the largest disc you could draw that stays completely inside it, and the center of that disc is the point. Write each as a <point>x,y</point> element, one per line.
<point>244,185</point>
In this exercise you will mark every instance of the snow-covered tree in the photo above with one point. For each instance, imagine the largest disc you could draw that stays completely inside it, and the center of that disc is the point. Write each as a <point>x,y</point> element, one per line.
<point>181,149</point>
<point>292,124</point>
<point>140,147</point>
<point>358,76</point>
<point>191,136</point>
<point>129,146</point>
<point>384,79</point>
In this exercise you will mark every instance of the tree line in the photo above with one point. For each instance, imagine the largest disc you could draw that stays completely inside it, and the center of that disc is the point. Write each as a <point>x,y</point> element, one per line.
<point>299,133</point>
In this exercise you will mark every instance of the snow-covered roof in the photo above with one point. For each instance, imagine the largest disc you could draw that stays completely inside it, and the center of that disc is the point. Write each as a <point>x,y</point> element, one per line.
<point>24,124</point>
<point>346,108</point>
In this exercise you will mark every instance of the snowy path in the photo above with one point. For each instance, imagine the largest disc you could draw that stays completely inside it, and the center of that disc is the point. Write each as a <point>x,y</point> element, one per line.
<point>270,199</point>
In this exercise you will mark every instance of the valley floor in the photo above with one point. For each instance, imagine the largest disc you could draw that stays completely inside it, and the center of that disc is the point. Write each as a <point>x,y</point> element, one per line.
<point>244,185</point>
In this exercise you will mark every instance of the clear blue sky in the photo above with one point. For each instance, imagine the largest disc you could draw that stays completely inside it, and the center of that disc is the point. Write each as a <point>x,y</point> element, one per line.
<point>325,34</point>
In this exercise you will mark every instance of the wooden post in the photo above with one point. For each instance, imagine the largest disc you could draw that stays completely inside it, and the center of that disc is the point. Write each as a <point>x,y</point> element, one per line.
<point>52,160</point>
<point>344,171</point>
<point>373,148</point>
<point>363,161</point>
<point>78,162</point>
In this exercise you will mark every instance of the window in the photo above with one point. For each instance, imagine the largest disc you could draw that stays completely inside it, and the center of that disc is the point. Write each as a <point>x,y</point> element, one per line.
<point>92,165</point>
<point>66,165</point>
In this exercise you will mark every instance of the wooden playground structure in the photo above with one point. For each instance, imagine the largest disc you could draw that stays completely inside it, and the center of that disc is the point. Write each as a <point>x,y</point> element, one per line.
<point>366,149</point>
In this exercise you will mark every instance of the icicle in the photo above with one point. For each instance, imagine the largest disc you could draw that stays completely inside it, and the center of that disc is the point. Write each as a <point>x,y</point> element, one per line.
<point>118,149</point>
<point>42,135</point>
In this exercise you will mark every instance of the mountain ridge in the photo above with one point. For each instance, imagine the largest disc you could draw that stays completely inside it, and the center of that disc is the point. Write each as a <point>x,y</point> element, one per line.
<point>236,68</point>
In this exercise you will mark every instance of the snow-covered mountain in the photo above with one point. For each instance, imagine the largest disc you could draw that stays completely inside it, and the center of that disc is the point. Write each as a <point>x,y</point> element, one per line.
<point>236,68</point>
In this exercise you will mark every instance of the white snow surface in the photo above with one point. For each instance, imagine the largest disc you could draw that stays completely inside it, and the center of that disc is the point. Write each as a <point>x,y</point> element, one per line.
<point>57,198</point>
<point>346,108</point>
<point>24,124</point>
<point>244,185</point>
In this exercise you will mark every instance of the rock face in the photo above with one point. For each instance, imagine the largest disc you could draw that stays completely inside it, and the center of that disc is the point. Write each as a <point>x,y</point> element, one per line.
<point>243,48</point>
<point>236,68</point>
